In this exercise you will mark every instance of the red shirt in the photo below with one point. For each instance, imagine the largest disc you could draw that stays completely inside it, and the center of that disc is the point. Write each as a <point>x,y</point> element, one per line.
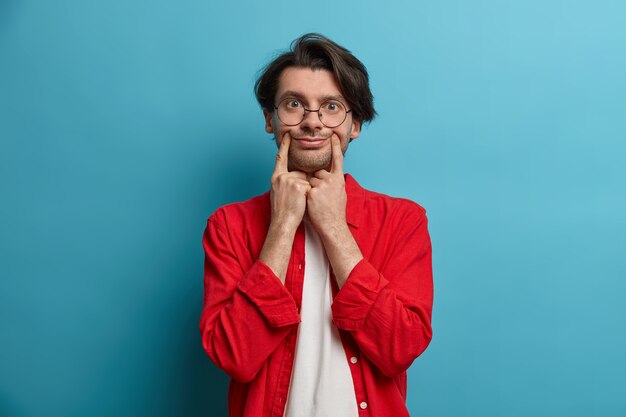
<point>249,320</point>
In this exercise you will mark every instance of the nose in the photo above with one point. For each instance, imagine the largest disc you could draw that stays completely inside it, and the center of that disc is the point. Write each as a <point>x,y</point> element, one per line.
<point>311,120</point>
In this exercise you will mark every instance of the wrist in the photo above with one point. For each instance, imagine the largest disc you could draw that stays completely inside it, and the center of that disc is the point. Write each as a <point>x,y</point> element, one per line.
<point>283,227</point>
<point>342,250</point>
<point>334,231</point>
<point>276,249</point>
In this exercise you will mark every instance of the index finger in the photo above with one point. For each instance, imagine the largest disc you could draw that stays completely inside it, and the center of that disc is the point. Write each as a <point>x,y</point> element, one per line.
<point>281,156</point>
<point>337,161</point>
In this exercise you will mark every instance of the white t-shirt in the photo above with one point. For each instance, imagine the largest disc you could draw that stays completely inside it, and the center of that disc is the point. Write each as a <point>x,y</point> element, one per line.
<point>321,382</point>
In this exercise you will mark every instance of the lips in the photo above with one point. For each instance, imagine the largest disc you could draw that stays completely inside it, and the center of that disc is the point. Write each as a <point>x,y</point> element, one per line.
<point>311,142</point>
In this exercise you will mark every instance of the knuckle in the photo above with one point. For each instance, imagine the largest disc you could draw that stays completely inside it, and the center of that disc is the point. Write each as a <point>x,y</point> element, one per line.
<point>280,179</point>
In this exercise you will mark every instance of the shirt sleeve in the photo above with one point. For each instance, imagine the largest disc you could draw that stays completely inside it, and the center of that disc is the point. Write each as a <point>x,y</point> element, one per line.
<point>246,313</point>
<point>388,311</point>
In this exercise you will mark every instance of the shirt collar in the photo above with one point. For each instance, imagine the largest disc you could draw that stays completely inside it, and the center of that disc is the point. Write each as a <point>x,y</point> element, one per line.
<point>356,200</point>
<point>354,208</point>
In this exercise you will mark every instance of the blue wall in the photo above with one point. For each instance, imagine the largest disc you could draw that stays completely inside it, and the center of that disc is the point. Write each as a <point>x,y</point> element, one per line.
<point>124,124</point>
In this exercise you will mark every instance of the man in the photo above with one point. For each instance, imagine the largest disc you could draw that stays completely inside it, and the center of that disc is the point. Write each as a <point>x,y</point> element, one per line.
<point>318,293</point>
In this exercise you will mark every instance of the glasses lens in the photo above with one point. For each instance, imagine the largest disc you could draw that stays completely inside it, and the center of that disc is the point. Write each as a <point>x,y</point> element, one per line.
<point>290,111</point>
<point>332,113</point>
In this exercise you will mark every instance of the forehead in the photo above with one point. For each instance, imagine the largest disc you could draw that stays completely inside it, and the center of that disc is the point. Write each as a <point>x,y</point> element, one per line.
<point>308,83</point>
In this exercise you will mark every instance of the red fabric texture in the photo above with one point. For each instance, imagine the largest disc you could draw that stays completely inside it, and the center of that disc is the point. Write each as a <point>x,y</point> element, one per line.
<point>249,320</point>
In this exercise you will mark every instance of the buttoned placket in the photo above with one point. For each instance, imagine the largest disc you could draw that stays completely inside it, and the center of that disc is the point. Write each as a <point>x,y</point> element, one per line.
<point>350,348</point>
<point>294,281</point>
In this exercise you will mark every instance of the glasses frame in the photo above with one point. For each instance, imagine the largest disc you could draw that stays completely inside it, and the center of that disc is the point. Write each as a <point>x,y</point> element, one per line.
<point>319,116</point>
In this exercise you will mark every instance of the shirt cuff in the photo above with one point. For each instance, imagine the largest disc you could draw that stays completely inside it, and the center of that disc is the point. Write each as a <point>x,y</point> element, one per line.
<point>355,299</point>
<point>270,296</point>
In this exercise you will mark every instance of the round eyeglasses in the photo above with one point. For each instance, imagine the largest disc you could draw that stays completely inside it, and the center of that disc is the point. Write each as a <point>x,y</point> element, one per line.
<point>291,112</point>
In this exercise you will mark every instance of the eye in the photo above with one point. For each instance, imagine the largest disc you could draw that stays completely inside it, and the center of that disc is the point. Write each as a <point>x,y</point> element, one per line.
<point>332,106</point>
<point>292,104</point>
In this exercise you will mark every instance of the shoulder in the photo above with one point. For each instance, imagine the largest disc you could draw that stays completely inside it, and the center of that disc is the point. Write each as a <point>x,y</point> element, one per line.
<point>242,213</point>
<point>398,208</point>
<point>397,203</point>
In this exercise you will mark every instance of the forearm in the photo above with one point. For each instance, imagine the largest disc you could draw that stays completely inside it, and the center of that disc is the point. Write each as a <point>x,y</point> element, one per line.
<point>242,350</point>
<point>276,250</point>
<point>342,251</point>
<point>391,324</point>
<point>388,307</point>
<point>235,293</point>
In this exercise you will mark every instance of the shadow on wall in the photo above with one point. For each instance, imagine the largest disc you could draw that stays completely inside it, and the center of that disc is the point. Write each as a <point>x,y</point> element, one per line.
<point>204,387</point>
<point>239,172</point>
<point>233,173</point>
<point>191,386</point>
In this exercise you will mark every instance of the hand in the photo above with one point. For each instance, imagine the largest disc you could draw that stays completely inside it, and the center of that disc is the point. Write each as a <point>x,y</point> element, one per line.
<point>288,191</point>
<point>326,201</point>
<point>288,200</point>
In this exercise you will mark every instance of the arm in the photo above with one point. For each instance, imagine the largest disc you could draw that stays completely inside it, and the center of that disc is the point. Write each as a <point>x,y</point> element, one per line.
<point>246,313</point>
<point>388,311</point>
<point>326,206</point>
<point>288,199</point>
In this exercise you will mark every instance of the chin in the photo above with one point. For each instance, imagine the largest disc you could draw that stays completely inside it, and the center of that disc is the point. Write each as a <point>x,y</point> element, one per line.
<point>308,169</point>
<point>309,165</point>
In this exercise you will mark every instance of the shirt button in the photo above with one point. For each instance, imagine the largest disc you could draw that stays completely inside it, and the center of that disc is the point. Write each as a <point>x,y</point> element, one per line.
<point>353,359</point>
<point>299,266</point>
<point>363,405</point>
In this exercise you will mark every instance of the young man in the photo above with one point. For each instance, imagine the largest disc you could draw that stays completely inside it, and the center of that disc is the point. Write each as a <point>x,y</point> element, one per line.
<point>318,293</point>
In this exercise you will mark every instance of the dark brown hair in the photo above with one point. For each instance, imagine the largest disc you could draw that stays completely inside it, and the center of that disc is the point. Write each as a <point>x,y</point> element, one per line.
<point>315,51</point>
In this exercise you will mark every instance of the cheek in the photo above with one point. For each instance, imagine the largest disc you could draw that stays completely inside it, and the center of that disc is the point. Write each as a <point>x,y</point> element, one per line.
<point>344,136</point>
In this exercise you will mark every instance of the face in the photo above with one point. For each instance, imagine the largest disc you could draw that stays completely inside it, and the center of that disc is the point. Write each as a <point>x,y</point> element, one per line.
<point>310,148</point>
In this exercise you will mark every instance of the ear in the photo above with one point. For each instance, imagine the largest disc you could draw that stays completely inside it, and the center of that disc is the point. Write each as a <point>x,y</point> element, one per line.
<point>356,129</point>
<point>269,126</point>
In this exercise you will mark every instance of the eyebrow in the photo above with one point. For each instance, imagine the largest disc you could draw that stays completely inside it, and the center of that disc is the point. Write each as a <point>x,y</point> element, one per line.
<point>291,93</point>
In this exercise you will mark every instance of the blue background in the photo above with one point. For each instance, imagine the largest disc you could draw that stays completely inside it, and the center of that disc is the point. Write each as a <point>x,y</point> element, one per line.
<point>124,124</point>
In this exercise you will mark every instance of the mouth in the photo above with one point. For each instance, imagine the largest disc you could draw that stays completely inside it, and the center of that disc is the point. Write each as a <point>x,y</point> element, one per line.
<point>311,143</point>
